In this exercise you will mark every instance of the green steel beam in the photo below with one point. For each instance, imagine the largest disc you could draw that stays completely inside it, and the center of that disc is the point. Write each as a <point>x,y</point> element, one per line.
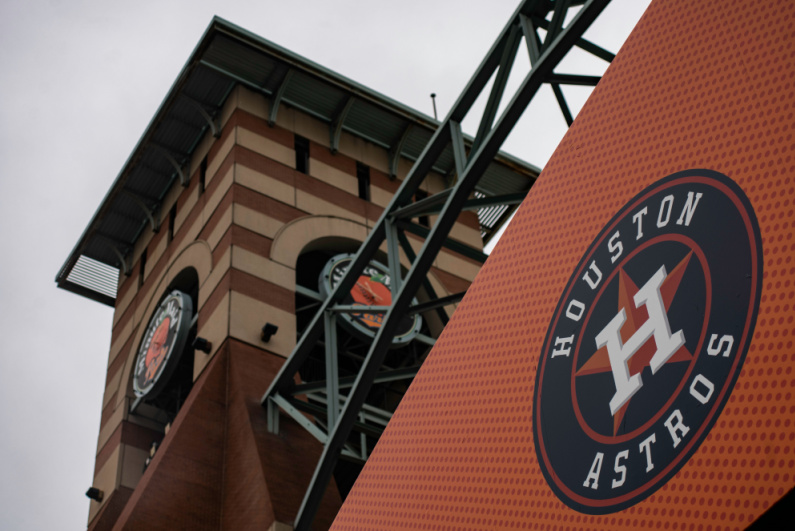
<point>437,303</point>
<point>555,25</point>
<point>470,170</point>
<point>583,44</point>
<point>498,88</point>
<point>564,107</point>
<point>429,291</point>
<point>459,151</point>
<point>422,207</point>
<point>455,246</point>
<point>573,79</point>
<point>392,375</point>
<point>319,411</point>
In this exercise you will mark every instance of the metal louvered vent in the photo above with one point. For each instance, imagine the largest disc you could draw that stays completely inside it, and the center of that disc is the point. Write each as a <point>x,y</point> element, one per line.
<point>95,276</point>
<point>489,217</point>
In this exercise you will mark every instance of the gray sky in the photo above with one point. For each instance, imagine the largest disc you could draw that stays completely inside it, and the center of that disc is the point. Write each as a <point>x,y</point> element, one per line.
<point>80,80</point>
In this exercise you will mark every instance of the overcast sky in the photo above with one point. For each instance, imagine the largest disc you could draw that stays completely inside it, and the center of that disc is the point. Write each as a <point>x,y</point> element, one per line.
<point>80,81</point>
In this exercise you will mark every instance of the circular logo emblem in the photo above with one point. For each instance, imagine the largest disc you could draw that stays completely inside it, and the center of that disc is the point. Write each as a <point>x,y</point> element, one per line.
<point>371,289</point>
<point>162,344</point>
<point>647,341</point>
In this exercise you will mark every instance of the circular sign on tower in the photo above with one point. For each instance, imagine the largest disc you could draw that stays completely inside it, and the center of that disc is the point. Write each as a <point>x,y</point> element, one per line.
<point>163,344</point>
<point>372,288</point>
<point>647,341</point>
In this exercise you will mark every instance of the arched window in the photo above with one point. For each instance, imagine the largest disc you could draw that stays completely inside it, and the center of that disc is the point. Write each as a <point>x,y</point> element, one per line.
<point>163,368</point>
<point>314,267</point>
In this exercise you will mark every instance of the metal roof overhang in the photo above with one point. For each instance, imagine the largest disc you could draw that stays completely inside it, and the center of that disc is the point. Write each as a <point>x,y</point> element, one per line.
<point>226,56</point>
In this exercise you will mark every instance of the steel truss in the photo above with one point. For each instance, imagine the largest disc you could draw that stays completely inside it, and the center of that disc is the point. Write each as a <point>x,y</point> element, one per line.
<point>338,415</point>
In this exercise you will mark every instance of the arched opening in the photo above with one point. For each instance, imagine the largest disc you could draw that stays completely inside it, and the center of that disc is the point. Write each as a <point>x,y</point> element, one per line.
<point>159,392</point>
<point>352,346</point>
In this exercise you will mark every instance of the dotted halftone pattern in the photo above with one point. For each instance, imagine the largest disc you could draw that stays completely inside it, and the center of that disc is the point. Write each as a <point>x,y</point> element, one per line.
<point>697,85</point>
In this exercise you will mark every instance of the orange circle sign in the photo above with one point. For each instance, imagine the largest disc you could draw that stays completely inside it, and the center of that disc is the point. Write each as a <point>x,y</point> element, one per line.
<point>162,345</point>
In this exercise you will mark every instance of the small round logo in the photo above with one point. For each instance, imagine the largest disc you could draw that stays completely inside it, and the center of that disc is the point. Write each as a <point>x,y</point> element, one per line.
<point>647,341</point>
<point>371,289</point>
<point>162,344</point>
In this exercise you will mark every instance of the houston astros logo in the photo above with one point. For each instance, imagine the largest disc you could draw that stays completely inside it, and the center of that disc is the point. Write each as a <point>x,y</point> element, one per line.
<point>647,341</point>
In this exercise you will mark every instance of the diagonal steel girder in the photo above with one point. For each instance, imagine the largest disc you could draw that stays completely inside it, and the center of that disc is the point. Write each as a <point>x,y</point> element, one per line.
<point>470,170</point>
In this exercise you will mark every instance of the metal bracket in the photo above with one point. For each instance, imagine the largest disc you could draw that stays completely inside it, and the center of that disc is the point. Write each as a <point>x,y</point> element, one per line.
<point>150,213</point>
<point>125,267</point>
<point>116,243</point>
<point>394,153</point>
<point>183,179</point>
<point>335,127</point>
<point>277,98</point>
<point>204,114</point>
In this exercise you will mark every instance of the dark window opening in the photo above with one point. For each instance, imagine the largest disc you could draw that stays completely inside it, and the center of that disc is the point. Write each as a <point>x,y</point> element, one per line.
<point>172,219</point>
<point>142,269</point>
<point>202,175</point>
<point>419,195</point>
<point>301,154</point>
<point>363,176</point>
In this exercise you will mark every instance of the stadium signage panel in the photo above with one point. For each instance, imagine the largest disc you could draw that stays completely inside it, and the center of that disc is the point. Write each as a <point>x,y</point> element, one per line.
<point>647,341</point>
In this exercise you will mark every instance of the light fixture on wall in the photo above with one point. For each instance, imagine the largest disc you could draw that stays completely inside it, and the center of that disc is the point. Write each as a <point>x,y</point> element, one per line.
<point>95,494</point>
<point>202,344</point>
<point>152,451</point>
<point>268,331</point>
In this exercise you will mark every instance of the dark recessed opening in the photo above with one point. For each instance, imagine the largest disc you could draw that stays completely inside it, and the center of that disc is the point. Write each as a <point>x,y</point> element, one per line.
<point>363,177</point>
<point>301,154</point>
<point>202,175</point>
<point>419,195</point>
<point>142,269</point>
<point>172,218</point>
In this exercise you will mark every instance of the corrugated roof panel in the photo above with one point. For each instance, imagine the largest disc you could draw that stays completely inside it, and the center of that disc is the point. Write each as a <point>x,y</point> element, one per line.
<point>239,59</point>
<point>310,93</point>
<point>174,133</point>
<point>416,142</point>
<point>208,87</point>
<point>501,180</point>
<point>123,226</point>
<point>148,183</point>
<point>102,250</point>
<point>187,114</point>
<point>367,120</point>
<point>446,162</point>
